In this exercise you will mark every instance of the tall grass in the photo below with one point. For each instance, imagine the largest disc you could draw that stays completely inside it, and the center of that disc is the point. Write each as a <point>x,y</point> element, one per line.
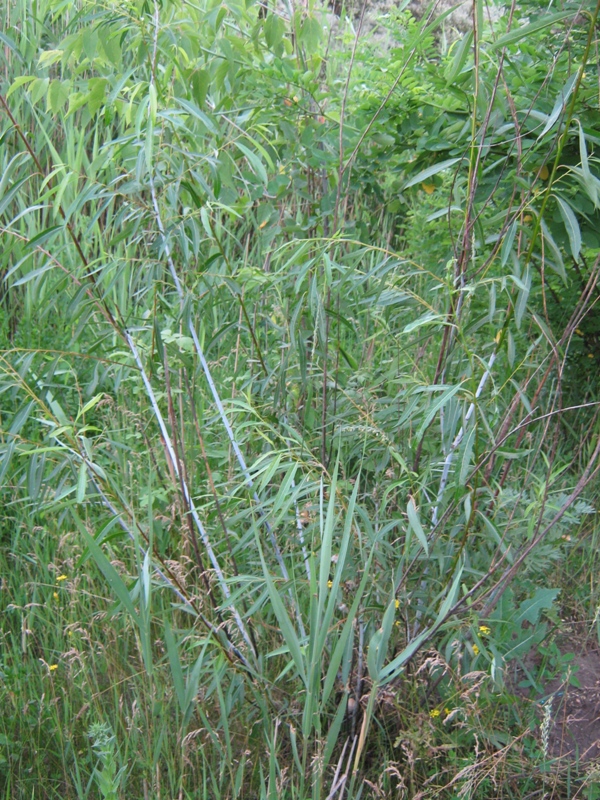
<point>285,466</point>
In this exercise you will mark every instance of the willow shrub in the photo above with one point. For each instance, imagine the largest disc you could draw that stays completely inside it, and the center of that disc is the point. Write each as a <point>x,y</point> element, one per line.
<point>282,392</point>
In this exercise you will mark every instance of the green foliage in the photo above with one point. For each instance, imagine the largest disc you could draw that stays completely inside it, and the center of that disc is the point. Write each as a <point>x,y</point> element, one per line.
<point>290,333</point>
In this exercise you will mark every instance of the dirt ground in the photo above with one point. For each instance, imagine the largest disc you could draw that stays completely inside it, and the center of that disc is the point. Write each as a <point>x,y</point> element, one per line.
<point>575,712</point>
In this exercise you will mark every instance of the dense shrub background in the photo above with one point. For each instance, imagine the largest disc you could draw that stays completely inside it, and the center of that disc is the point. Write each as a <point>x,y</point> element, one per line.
<point>298,419</point>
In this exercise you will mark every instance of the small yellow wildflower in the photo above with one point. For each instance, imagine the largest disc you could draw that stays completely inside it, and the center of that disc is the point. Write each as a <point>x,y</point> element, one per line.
<point>484,630</point>
<point>579,332</point>
<point>428,188</point>
<point>475,650</point>
<point>55,595</point>
<point>446,711</point>
<point>52,667</point>
<point>435,712</point>
<point>330,584</point>
<point>397,623</point>
<point>397,603</point>
<point>61,578</point>
<point>544,173</point>
<point>590,355</point>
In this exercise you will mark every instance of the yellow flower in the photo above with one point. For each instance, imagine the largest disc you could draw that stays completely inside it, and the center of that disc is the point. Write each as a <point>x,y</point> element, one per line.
<point>446,711</point>
<point>55,595</point>
<point>434,713</point>
<point>428,188</point>
<point>397,603</point>
<point>52,667</point>
<point>329,584</point>
<point>579,332</point>
<point>475,650</point>
<point>61,578</point>
<point>590,355</point>
<point>484,630</point>
<point>544,173</point>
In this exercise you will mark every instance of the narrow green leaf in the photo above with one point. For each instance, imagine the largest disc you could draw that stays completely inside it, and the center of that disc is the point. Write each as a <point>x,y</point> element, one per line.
<point>544,21</point>
<point>455,67</point>
<point>285,623</point>
<point>590,182</point>
<point>430,171</point>
<point>559,105</point>
<point>175,664</point>
<point>81,483</point>
<point>110,573</point>
<point>435,407</point>
<point>194,111</point>
<point>572,226</point>
<point>559,265</point>
<point>467,452</point>
<point>415,524</point>
<point>507,244</point>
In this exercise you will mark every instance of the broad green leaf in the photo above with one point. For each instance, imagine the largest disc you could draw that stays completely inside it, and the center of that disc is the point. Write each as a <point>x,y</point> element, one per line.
<point>21,80</point>
<point>274,28</point>
<point>530,609</point>
<point>58,94</point>
<point>200,84</point>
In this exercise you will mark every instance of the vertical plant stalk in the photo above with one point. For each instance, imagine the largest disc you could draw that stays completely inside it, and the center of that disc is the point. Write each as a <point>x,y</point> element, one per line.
<point>209,379</point>
<point>196,341</point>
<point>125,334</point>
<point>186,492</point>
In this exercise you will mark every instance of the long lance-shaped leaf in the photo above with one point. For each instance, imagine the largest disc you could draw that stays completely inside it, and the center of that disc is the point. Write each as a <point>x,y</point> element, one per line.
<point>283,618</point>
<point>186,492</point>
<point>544,21</point>
<point>395,667</point>
<point>342,642</point>
<point>218,634</point>
<point>458,439</point>
<point>326,619</point>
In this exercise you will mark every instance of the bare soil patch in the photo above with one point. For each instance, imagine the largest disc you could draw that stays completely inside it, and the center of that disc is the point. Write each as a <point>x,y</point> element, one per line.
<point>575,711</point>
